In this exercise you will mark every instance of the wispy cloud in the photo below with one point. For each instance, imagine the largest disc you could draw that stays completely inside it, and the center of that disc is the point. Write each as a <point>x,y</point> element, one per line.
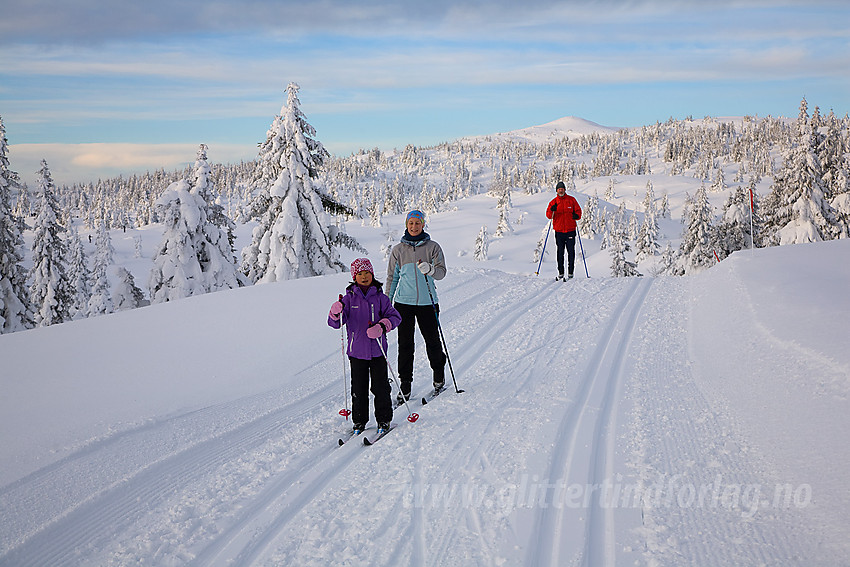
<point>215,70</point>
<point>73,163</point>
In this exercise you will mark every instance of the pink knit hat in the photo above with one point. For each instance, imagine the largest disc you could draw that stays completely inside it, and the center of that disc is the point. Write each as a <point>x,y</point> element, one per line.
<point>361,265</point>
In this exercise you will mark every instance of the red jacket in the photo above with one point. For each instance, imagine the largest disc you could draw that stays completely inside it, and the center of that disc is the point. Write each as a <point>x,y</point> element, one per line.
<point>563,219</point>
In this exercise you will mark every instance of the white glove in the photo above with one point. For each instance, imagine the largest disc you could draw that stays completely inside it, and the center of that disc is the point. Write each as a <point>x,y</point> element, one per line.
<point>426,268</point>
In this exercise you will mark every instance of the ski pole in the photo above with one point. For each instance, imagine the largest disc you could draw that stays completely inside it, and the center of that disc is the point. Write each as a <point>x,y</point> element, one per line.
<point>345,412</point>
<point>540,263</point>
<point>442,338</point>
<point>582,252</point>
<point>411,417</point>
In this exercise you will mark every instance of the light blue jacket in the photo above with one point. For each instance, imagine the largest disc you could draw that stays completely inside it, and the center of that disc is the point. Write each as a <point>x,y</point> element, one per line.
<point>405,282</point>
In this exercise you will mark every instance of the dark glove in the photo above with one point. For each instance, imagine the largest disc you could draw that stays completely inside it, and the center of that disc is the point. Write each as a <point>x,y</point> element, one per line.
<point>553,208</point>
<point>575,216</point>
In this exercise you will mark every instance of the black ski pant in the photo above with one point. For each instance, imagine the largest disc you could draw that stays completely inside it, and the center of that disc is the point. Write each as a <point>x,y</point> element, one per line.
<point>360,371</point>
<point>566,240</point>
<point>427,318</point>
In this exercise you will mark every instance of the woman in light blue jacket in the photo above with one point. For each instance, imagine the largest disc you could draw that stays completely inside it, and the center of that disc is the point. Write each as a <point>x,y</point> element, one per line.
<point>415,263</point>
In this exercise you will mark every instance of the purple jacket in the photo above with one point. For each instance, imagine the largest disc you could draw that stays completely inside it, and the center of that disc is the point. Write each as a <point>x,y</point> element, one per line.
<point>358,312</point>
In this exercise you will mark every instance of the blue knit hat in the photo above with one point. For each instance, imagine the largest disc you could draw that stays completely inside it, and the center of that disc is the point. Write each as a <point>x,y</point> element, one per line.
<point>415,214</point>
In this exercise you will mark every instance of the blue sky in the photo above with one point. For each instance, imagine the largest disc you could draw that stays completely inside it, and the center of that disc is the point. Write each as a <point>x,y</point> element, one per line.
<point>99,87</point>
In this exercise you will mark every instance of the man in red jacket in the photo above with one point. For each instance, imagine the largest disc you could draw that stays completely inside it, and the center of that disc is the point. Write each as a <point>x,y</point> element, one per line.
<point>564,212</point>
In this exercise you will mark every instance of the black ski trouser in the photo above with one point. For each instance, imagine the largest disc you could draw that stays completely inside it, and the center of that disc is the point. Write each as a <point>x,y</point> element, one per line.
<point>361,370</point>
<point>425,316</point>
<point>566,240</point>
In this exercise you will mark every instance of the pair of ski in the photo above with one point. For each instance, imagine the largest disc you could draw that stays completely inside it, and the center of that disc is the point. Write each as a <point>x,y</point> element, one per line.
<point>368,442</point>
<point>425,399</point>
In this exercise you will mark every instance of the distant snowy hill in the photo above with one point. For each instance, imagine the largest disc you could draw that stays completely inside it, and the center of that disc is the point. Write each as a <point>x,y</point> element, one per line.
<point>567,127</point>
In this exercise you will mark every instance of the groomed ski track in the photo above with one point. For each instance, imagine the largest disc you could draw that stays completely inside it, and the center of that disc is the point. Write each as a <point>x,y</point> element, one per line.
<point>567,384</point>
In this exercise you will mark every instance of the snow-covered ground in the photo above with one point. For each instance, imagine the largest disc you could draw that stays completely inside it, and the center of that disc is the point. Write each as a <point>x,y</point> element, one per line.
<point>605,421</point>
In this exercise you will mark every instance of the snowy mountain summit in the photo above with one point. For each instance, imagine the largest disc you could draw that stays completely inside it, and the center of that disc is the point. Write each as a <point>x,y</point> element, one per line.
<point>566,127</point>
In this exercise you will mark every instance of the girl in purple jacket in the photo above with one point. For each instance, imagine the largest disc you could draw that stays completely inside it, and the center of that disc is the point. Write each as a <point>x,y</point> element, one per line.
<point>368,316</point>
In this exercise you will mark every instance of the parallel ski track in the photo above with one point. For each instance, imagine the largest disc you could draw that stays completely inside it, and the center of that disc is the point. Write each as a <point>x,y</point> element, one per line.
<point>256,529</point>
<point>103,515</point>
<point>592,417</point>
<point>472,349</point>
<point>163,459</point>
<point>255,532</point>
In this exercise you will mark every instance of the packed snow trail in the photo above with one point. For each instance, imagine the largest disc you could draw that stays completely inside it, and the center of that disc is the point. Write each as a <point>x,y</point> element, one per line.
<point>576,393</point>
<point>585,450</point>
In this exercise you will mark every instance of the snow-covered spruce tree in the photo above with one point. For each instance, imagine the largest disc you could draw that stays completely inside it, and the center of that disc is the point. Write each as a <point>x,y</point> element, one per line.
<point>609,192</point>
<point>646,244</point>
<point>202,185</point>
<point>797,210</point>
<point>482,243</point>
<point>504,205</point>
<point>126,294</point>
<point>189,261</point>
<point>23,207</point>
<point>664,210</point>
<point>78,275</point>
<point>542,244</point>
<point>50,291</point>
<point>696,252</point>
<point>293,238</point>
<point>733,231</point>
<point>620,267</point>
<point>590,217</point>
<point>100,302</point>
<point>832,154</point>
<point>719,183</point>
<point>667,263</point>
<point>15,312</point>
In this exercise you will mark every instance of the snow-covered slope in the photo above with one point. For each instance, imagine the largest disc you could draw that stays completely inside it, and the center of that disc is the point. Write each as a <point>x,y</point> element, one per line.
<point>658,421</point>
<point>566,127</point>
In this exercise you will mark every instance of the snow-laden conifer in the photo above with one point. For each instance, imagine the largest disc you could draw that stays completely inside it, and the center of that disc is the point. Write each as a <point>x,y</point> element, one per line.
<point>733,231</point>
<point>482,244</point>
<point>503,205</point>
<point>126,294</point>
<point>646,244</point>
<point>293,238</point>
<point>78,274</point>
<point>189,261</point>
<point>619,245</point>
<point>216,216</point>
<point>590,217</point>
<point>696,252</point>
<point>797,210</point>
<point>14,302</point>
<point>100,302</point>
<point>50,291</point>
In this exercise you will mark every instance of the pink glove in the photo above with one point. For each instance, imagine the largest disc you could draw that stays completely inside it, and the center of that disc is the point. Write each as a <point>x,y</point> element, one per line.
<point>336,309</point>
<point>378,329</point>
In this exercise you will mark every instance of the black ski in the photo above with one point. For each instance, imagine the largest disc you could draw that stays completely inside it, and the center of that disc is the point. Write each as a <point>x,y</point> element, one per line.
<point>369,443</point>
<point>432,394</point>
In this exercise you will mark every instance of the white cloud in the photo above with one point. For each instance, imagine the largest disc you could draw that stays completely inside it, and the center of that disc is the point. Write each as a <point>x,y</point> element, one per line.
<point>78,163</point>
